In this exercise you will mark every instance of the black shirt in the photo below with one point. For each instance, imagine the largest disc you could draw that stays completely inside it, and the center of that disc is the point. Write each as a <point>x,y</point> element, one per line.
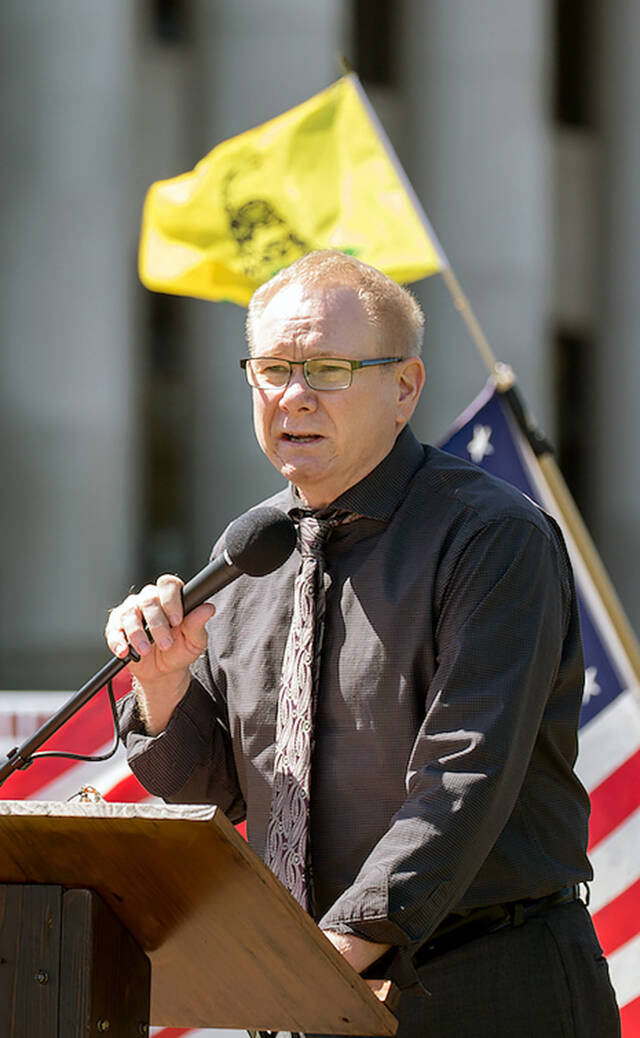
<point>446,723</point>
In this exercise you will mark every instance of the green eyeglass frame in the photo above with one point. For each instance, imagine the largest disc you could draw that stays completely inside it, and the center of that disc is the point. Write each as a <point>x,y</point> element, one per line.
<point>320,373</point>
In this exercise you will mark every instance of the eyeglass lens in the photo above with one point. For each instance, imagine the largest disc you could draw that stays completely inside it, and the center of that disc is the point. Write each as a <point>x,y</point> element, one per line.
<point>320,373</point>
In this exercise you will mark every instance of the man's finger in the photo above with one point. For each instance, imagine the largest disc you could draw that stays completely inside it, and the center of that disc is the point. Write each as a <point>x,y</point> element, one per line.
<point>114,631</point>
<point>170,594</point>
<point>193,625</point>
<point>158,625</point>
<point>117,642</point>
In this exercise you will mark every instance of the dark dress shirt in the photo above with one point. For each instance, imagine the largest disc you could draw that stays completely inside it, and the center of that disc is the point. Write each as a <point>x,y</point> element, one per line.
<point>450,687</point>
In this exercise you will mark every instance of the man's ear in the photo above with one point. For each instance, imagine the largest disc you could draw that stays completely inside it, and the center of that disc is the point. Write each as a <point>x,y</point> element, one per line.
<point>410,380</point>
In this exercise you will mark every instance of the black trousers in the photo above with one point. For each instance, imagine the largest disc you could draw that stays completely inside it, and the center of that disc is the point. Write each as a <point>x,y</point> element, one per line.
<point>545,979</point>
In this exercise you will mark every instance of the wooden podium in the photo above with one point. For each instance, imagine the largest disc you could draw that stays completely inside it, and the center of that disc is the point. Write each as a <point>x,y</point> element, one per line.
<point>107,908</point>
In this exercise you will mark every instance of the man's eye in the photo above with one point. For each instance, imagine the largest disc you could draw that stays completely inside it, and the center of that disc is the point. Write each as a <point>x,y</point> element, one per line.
<point>328,367</point>
<point>274,370</point>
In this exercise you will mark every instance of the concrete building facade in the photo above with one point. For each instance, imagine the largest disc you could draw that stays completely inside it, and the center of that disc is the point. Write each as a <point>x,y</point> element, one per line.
<point>126,422</point>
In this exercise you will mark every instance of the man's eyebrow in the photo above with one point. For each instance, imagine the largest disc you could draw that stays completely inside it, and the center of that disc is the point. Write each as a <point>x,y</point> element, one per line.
<point>328,352</point>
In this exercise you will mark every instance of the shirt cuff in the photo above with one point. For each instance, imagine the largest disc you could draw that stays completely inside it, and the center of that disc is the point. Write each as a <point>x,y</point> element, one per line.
<point>395,965</point>
<point>379,931</point>
<point>163,763</point>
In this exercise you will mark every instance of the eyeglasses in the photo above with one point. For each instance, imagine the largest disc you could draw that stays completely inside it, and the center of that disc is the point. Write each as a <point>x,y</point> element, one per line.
<point>319,372</point>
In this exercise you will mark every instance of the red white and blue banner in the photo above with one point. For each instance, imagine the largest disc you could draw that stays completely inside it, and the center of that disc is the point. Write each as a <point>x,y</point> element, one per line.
<point>609,738</point>
<point>608,761</point>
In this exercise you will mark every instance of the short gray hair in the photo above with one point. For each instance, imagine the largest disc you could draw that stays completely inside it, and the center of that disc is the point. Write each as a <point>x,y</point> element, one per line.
<point>392,310</point>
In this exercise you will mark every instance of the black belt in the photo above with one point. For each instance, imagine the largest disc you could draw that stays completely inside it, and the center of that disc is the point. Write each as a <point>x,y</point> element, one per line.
<point>457,930</point>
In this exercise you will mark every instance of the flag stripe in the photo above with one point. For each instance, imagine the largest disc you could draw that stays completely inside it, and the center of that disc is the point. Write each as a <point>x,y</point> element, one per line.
<point>630,1019</point>
<point>623,967</point>
<point>178,1032</point>
<point>608,740</point>
<point>617,922</point>
<point>171,1032</point>
<point>81,773</point>
<point>90,740</point>
<point>616,862</point>
<point>614,800</point>
<point>127,791</point>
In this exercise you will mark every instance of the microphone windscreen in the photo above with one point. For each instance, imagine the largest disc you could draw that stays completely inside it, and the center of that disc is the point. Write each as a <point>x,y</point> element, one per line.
<point>260,540</point>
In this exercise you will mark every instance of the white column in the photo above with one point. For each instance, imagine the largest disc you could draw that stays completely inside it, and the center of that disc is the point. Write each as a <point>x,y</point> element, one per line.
<point>614,435</point>
<point>475,78</point>
<point>255,61</point>
<point>68,245</point>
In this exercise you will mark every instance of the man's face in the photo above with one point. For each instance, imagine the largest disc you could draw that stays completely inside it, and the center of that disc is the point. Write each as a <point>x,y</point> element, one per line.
<point>326,441</point>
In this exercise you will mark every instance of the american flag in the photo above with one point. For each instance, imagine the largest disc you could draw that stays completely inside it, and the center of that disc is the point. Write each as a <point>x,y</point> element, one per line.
<point>609,736</point>
<point>608,761</point>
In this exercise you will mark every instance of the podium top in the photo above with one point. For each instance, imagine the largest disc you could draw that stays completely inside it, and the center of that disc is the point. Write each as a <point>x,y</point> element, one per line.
<point>229,946</point>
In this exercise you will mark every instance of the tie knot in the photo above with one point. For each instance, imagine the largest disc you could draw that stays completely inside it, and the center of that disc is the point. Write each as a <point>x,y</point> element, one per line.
<point>312,535</point>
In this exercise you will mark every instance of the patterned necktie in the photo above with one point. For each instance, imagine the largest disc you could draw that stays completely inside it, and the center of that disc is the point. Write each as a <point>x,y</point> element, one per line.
<point>288,829</point>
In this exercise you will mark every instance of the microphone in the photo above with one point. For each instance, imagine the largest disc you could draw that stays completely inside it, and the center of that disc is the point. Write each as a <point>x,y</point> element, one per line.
<point>255,544</point>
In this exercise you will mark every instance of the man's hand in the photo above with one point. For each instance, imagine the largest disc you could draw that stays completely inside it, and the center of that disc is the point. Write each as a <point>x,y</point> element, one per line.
<point>358,953</point>
<point>162,675</point>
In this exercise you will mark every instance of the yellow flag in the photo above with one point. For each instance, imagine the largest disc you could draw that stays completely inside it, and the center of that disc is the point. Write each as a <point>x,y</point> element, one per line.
<point>320,176</point>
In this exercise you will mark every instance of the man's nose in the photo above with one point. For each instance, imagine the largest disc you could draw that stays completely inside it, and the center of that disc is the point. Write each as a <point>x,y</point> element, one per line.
<point>297,393</point>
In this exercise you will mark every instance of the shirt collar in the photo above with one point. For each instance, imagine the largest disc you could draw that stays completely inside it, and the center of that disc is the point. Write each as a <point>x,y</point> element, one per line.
<point>380,492</point>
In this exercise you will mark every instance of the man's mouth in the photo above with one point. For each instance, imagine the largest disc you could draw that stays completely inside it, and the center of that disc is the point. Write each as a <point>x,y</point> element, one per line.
<point>299,438</point>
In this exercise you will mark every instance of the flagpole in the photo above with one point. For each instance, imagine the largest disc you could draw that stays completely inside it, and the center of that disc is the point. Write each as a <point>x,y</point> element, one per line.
<point>463,307</point>
<point>505,384</point>
<point>460,300</point>
<point>585,545</point>
<point>397,165</point>
<point>505,380</point>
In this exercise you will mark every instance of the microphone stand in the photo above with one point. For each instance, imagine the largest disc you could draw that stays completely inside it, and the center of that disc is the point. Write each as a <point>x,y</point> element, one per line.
<point>220,572</point>
<point>21,756</point>
<point>263,539</point>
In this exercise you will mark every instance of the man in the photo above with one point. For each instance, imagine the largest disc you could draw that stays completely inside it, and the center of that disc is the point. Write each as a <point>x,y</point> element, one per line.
<point>441,830</point>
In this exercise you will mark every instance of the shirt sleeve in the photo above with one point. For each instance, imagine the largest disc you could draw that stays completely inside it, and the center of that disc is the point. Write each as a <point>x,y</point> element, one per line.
<point>191,761</point>
<point>501,623</point>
